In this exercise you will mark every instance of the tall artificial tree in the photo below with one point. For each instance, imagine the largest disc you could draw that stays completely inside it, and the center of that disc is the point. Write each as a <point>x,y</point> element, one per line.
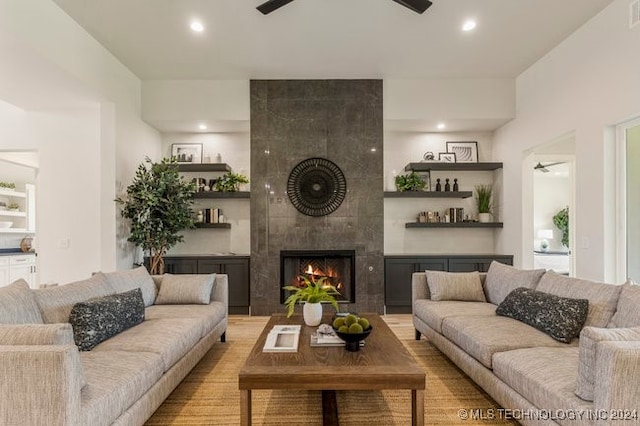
<point>158,204</point>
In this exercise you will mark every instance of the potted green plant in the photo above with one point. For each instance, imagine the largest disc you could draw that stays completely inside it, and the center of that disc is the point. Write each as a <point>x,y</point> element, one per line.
<point>158,204</point>
<point>8,185</point>
<point>313,292</point>
<point>483,200</point>
<point>13,207</point>
<point>561,221</point>
<point>230,182</point>
<point>410,182</point>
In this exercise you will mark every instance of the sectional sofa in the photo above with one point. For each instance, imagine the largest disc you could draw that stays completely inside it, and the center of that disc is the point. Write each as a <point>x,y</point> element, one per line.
<point>508,331</point>
<point>107,350</point>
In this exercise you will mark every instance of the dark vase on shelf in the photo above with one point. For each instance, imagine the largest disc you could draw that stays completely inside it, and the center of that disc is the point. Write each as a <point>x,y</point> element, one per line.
<point>447,185</point>
<point>438,185</point>
<point>455,185</point>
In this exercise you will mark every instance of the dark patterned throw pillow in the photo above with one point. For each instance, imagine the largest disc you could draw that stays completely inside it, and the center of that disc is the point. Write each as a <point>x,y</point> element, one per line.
<point>560,317</point>
<point>96,320</point>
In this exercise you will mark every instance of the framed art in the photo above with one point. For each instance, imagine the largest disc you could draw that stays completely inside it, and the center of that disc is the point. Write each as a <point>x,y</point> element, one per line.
<point>187,152</point>
<point>466,152</point>
<point>447,157</point>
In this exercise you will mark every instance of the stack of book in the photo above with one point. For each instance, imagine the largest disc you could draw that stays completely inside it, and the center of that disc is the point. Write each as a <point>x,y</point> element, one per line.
<point>211,215</point>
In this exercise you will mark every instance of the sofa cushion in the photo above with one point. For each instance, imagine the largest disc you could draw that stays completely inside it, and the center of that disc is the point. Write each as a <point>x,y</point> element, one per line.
<point>603,298</point>
<point>170,338</point>
<point>36,334</point>
<point>455,286</point>
<point>56,302</point>
<point>121,281</point>
<point>18,304</point>
<point>545,377</point>
<point>96,320</point>
<point>115,381</point>
<point>627,312</point>
<point>482,337</point>
<point>208,316</point>
<point>185,289</point>
<point>589,338</point>
<point>433,313</point>
<point>560,317</point>
<point>503,279</point>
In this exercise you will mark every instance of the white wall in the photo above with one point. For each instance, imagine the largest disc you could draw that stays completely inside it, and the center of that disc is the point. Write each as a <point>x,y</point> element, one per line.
<point>401,148</point>
<point>633,203</point>
<point>82,111</point>
<point>586,84</point>
<point>234,149</point>
<point>551,193</point>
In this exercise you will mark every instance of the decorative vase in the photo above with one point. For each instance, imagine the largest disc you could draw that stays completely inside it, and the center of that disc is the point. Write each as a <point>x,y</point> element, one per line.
<point>312,314</point>
<point>484,217</point>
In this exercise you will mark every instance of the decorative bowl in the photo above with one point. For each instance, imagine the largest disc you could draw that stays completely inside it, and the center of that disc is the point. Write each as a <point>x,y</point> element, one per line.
<point>352,340</point>
<point>4,225</point>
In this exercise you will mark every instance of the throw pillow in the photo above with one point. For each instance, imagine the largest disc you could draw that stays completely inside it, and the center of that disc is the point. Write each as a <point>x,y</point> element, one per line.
<point>560,317</point>
<point>185,289</point>
<point>589,338</point>
<point>36,334</point>
<point>627,312</point>
<point>98,319</point>
<point>464,286</point>
<point>602,297</point>
<point>18,304</point>
<point>503,279</point>
<point>121,281</point>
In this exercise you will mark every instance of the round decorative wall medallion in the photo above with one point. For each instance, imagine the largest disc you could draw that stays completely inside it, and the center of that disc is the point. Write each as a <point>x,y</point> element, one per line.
<point>316,187</point>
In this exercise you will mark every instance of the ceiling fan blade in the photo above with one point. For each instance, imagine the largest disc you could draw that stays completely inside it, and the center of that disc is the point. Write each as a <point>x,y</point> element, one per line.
<point>418,6</point>
<point>271,5</point>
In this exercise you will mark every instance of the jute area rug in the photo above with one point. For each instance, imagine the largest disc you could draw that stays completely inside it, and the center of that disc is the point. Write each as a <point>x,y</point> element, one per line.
<point>209,394</point>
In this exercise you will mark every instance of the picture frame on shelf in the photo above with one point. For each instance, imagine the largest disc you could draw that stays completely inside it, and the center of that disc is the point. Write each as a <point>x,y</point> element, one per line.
<point>187,153</point>
<point>447,157</point>
<point>465,151</point>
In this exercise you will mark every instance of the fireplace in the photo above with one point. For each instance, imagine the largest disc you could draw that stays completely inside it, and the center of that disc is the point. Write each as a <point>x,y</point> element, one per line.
<point>338,266</point>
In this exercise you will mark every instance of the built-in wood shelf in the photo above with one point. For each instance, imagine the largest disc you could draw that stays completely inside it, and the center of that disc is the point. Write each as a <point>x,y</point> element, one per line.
<point>204,167</point>
<point>428,194</point>
<point>454,225</point>
<point>462,167</point>
<point>222,194</point>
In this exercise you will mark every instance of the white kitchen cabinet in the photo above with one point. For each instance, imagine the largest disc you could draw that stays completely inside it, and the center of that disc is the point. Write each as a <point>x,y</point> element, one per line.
<point>14,267</point>
<point>4,271</point>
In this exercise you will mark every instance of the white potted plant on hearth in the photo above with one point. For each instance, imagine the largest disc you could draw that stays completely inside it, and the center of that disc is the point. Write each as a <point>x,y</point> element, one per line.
<point>312,292</point>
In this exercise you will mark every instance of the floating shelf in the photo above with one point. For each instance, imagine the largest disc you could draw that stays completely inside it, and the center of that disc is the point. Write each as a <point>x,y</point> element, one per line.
<point>204,167</point>
<point>454,225</point>
<point>462,167</point>
<point>214,225</point>
<point>428,194</point>
<point>15,231</point>
<point>221,194</point>
<point>12,213</point>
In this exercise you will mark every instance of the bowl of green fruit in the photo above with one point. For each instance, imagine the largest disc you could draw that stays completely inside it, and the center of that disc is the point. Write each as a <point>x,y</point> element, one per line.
<point>352,329</point>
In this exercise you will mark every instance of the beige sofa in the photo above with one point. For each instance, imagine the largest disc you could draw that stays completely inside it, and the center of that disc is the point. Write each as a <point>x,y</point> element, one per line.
<point>123,379</point>
<point>535,378</point>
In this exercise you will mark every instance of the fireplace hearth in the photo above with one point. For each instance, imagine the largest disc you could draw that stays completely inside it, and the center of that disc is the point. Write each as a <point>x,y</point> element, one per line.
<point>337,266</point>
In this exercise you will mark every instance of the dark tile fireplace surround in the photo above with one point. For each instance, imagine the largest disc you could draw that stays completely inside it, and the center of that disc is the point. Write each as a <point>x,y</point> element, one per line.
<point>291,121</point>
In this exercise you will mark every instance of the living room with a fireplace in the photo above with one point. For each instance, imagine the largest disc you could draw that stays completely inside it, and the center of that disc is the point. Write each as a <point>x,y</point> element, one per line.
<point>330,109</point>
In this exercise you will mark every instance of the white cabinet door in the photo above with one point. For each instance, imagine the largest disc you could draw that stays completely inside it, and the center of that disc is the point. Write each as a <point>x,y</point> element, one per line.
<point>23,267</point>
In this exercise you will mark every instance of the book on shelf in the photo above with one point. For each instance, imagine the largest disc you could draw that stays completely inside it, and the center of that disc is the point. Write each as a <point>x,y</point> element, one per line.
<point>282,338</point>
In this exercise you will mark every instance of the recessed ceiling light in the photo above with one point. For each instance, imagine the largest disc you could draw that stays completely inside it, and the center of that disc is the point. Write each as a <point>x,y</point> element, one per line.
<point>441,126</point>
<point>197,26</point>
<point>469,25</point>
<point>202,126</point>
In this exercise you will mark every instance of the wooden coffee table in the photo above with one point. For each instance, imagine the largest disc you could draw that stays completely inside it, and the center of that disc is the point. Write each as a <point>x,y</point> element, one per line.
<point>383,363</point>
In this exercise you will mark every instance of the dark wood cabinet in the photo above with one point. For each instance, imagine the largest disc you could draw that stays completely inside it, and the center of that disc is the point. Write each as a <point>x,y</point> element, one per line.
<point>399,269</point>
<point>236,268</point>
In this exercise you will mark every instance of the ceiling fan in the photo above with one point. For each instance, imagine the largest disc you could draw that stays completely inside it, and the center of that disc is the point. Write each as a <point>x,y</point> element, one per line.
<point>418,6</point>
<point>543,167</point>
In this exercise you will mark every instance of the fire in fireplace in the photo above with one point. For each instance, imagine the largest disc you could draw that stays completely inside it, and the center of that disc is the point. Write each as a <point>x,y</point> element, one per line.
<point>337,266</point>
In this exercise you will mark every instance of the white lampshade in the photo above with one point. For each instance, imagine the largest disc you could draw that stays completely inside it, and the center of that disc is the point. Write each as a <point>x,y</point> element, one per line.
<point>545,234</point>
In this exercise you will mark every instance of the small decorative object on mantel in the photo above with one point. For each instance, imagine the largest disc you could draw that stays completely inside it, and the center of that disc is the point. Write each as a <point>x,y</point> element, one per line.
<point>466,152</point>
<point>313,292</point>
<point>447,185</point>
<point>456,188</point>
<point>428,156</point>
<point>13,207</point>
<point>438,185</point>
<point>447,157</point>
<point>483,200</point>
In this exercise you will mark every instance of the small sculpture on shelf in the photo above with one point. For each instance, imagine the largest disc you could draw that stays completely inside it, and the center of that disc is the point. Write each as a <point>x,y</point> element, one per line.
<point>447,185</point>
<point>456,188</point>
<point>438,185</point>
